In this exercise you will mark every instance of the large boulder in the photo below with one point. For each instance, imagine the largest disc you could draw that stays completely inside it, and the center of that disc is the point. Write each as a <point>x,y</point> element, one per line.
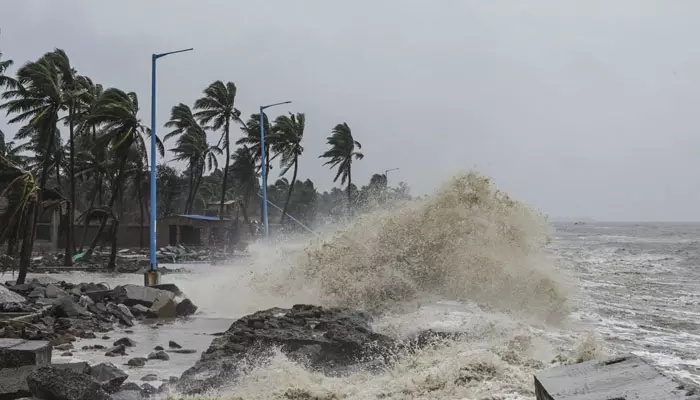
<point>108,376</point>
<point>19,352</point>
<point>13,381</point>
<point>326,339</point>
<point>163,307</point>
<point>131,295</point>
<point>66,307</point>
<point>52,383</point>
<point>185,308</point>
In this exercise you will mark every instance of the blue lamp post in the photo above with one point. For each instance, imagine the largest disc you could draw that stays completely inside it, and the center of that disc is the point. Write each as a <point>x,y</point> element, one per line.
<point>264,167</point>
<point>151,277</point>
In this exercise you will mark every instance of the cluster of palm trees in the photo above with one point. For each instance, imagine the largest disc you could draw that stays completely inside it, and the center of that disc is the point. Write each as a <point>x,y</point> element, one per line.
<point>105,156</point>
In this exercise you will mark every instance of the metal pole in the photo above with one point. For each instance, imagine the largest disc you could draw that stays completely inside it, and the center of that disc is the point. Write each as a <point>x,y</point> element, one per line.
<point>262,163</point>
<point>386,174</point>
<point>151,276</point>
<point>154,265</point>
<point>263,169</point>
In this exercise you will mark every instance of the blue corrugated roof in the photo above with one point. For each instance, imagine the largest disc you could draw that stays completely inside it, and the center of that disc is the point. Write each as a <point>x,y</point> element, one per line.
<point>201,217</point>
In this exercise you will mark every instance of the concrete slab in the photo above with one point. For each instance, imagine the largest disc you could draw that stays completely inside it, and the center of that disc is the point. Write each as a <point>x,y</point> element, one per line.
<point>621,378</point>
<point>13,381</point>
<point>16,353</point>
<point>131,295</point>
<point>8,296</point>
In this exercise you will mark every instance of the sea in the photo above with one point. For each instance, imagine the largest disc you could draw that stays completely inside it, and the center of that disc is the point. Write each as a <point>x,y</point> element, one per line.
<point>527,293</point>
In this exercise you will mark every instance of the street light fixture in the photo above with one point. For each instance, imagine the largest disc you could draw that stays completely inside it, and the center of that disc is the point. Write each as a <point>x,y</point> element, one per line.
<point>264,167</point>
<point>386,174</point>
<point>151,277</point>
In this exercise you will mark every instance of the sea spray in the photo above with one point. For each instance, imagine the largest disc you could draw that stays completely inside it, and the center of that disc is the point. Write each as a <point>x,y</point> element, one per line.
<point>467,242</point>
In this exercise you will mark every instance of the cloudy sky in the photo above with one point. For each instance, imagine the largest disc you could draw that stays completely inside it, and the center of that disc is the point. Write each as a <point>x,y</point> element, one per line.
<point>581,108</point>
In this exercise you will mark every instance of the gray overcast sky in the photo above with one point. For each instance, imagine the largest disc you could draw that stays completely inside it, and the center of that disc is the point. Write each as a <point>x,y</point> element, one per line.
<point>581,108</point>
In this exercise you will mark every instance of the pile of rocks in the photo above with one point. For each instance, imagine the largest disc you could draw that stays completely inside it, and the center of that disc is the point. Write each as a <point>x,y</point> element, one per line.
<point>26,371</point>
<point>60,312</point>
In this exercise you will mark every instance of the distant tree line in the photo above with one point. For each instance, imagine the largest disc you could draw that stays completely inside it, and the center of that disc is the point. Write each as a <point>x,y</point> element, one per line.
<point>99,170</point>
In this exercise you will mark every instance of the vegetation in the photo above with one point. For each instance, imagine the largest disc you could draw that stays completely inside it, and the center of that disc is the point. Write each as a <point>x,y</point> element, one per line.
<point>97,168</point>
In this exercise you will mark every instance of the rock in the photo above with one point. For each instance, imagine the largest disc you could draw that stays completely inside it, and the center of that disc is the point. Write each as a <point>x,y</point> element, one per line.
<point>139,310</point>
<point>174,345</point>
<point>19,352</point>
<point>183,351</point>
<point>329,340</point>
<point>9,296</point>
<point>131,295</point>
<point>105,337</point>
<point>169,287</point>
<point>13,381</point>
<point>108,376</point>
<point>185,308</point>
<point>148,389</point>
<point>67,354</point>
<point>136,362</point>
<point>128,395</point>
<point>67,308</point>
<point>130,386</point>
<point>125,310</point>
<point>159,355</point>
<point>158,348</point>
<point>42,280</point>
<point>126,342</point>
<point>53,383</point>
<point>80,367</point>
<point>99,295</point>
<point>88,335</point>
<point>163,307</point>
<point>116,351</point>
<point>125,319</point>
<point>64,347</point>
<point>37,293</point>
<point>85,301</point>
<point>54,292</point>
<point>150,378</point>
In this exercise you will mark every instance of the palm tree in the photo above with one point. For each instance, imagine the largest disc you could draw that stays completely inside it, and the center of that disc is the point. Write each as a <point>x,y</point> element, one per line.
<point>11,152</point>
<point>6,81</point>
<point>341,153</point>
<point>216,110</point>
<point>245,175</point>
<point>192,147</point>
<point>289,131</point>
<point>117,112</point>
<point>251,139</point>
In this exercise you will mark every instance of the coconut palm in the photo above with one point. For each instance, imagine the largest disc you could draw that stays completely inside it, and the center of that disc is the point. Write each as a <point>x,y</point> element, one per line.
<point>245,176</point>
<point>340,155</point>
<point>11,152</point>
<point>192,147</point>
<point>251,139</point>
<point>216,110</point>
<point>289,131</point>
<point>117,113</point>
<point>6,81</point>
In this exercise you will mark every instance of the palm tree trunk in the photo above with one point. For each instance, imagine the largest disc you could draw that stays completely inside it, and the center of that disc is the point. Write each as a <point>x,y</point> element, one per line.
<point>349,190</point>
<point>98,192</point>
<point>198,182</point>
<point>223,185</point>
<point>112,200</point>
<point>70,238</point>
<point>11,244</point>
<point>27,242</point>
<point>113,253</point>
<point>188,203</point>
<point>289,193</point>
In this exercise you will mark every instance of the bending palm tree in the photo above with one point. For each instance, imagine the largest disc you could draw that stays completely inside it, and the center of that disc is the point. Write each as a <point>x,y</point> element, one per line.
<point>217,110</point>
<point>244,172</point>
<point>192,147</point>
<point>289,131</point>
<point>341,153</point>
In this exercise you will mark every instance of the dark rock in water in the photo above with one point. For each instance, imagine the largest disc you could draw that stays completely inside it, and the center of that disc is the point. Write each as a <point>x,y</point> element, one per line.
<point>64,346</point>
<point>160,355</point>
<point>105,337</point>
<point>108,376</point>
<point>116,351</point>
<point>168,287</point>
<point>128,395</point>
<point>137,362</point>
<point>130,386</point>
<point>19,352</point>
<point>53,383</point>
<point>185,308</point>
<point>67,354</point>
<point>183,351</point>
<point>158,348</point>
<point>126,342</point>
<point>150,378</point>
<point>148,389</point>
<point>174,345</point>
<point>163,307</point>
<point>326,339</point>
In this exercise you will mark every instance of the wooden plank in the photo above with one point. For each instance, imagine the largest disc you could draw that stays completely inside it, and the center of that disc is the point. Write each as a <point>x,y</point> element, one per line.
<point>622,378</point>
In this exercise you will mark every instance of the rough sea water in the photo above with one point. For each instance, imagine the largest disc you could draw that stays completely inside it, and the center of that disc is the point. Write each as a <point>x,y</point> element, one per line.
<point>528,295</point>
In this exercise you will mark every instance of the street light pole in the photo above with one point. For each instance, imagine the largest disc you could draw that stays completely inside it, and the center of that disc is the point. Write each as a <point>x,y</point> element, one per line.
<point>386,174</point>
<point>151,277</point>
<point>263,168</point>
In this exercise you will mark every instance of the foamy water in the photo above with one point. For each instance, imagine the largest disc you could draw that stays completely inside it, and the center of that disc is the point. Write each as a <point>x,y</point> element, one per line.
<point>468,260</point>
